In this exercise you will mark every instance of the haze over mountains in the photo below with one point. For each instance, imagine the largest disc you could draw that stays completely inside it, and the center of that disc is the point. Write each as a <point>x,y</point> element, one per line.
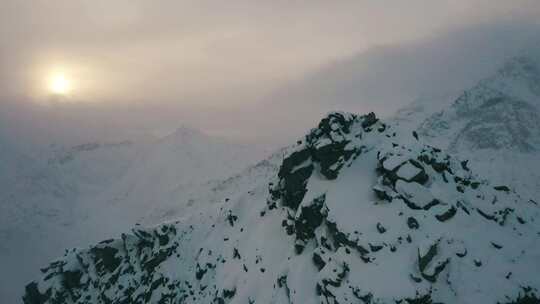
<point>64,194</point>
<point>382,78</point>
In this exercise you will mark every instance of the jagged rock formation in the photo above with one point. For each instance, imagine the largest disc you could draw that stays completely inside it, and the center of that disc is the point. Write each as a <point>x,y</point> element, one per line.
<point>352,216</point>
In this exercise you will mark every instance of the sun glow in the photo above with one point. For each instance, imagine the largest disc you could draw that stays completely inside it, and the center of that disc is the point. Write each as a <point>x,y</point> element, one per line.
<point>59,84</point>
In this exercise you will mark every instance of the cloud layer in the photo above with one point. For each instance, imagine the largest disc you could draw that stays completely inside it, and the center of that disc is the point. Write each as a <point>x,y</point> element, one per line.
<point>222,65</point>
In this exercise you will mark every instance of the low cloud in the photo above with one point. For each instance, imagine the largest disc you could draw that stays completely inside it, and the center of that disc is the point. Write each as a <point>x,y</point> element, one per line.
<point>254,70</point>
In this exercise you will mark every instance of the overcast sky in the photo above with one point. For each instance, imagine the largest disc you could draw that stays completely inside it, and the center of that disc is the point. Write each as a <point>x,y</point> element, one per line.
<point>221,57</point>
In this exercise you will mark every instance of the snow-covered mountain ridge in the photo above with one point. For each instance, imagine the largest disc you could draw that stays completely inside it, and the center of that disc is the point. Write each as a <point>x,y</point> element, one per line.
<point>501,111</point>
<point>495,124</point>
<point>353,215</point>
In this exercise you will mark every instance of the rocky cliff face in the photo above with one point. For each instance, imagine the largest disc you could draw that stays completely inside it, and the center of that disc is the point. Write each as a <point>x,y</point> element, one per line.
<point>352,216</point>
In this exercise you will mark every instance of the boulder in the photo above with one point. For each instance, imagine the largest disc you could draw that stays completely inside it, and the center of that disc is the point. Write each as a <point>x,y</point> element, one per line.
<point>415,195</point>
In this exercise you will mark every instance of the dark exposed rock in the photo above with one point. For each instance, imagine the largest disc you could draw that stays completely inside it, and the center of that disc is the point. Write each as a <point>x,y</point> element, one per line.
<point>105,258</point>
<point>462,206</point>
<point>33,296</point>
<point>229,293</point>
<point>461,254</point>
<point>318,261</point>
<point>328,144</point>
<point>289,226</point>
<point>72,279</point>
<point>424,299</point>
<point>527,296</point>
<point>157,259</point>
<point>366,298</point>
<point>299,247</point>
<point>332,157</point>
<point>200,272</point>
<point>448,214</point>
<point>438,269</point>
<point>375,248</point>
<point>391,176</point>
<point>293,160</point>
<point>295,186</point>
<point>369,120</point>
<point>464,165</point>
<point>430,157</point>
<point>415,278</point>
<point>502,188</point>
<point>408,238</point>
<point>424,260</point>
<point>382,194</point>
<point>327,284</point>
<point>485,215</point>
<point>309,218</point>
<point>236,254</point>
<point>412,223</point>
<point>231,218</point>
<point>411,204</point>
<point>381,228</point>
<point>498,216</point>
<point>341,239</point>
<point>496,246</point>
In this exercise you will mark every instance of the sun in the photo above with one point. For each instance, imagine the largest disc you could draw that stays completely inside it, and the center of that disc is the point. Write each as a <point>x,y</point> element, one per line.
<point>59,84</point>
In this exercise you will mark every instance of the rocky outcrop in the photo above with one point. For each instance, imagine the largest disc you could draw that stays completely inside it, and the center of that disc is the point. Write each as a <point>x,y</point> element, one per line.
<point>115,268</point>
<point>327,146</point>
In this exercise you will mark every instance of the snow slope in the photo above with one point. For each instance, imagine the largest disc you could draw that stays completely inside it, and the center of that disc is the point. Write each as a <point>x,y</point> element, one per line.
<point>500,112</point>
<point>353,215</point>
<point>60,196</point>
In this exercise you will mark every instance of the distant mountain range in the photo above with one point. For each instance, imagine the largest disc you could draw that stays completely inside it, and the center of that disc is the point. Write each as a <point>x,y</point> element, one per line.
<point>60,196</point>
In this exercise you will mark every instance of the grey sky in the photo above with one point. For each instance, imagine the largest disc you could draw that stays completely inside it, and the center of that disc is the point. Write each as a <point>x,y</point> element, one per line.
<point>219,57</point>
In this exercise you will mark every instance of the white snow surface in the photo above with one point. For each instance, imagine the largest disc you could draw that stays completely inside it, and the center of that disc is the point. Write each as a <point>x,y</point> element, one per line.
<point>319,233</point>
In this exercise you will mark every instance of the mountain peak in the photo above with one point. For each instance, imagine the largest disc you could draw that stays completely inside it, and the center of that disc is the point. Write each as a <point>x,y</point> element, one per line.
<point>185,131</point>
